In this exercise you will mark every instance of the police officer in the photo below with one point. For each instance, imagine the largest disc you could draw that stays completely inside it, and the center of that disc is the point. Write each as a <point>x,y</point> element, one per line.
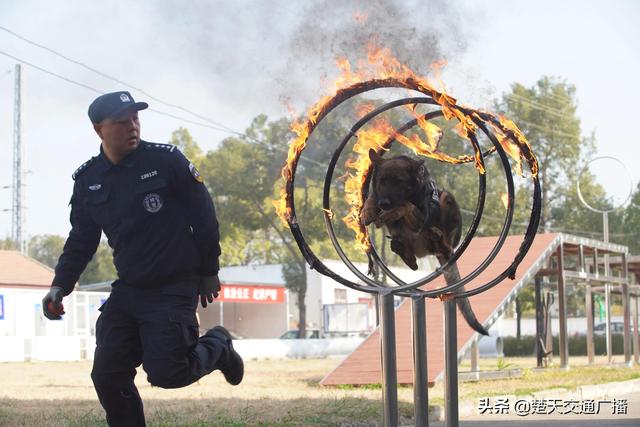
<point>160,221</point>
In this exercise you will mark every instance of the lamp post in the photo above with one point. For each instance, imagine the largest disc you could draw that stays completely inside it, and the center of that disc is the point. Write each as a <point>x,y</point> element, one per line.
<point>605,233</point>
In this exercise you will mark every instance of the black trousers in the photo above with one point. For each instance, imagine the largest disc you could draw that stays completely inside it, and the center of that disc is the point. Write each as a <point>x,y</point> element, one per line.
<point>158,329</point>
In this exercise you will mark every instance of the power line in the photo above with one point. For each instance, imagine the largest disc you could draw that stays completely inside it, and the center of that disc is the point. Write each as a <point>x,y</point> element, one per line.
<point>68,80</point>
<point>540,107</point>
<point>557,132</point>
<point>115,79</point>
<point>224,129</point>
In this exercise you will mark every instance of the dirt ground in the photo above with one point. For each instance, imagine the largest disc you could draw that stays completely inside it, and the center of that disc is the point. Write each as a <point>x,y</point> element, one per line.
<point>274,393</point>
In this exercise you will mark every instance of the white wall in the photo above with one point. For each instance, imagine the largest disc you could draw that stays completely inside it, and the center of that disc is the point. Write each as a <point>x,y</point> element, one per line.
<point>321,289</point>
<point>26,334</point>
<point>296,348</point>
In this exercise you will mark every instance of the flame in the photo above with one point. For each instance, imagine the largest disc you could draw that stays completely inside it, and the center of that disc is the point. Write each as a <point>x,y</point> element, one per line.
<point>364,109</point>
<point>514,143</point>
<point>373,138</point>
<point>505,200</point>
<point>380,64</point>
<point>360,17</point>
<point>522,142</point>
<point>329,212</point>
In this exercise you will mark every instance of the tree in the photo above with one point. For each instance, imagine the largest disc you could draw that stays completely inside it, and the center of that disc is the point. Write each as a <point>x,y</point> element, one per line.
<point>631,223</point>
<point>100,268</point>
<point>8,244</point>
<point>184,141</point>
<point>546,113</point>
<point>46,248</point>
<point>525,304</point>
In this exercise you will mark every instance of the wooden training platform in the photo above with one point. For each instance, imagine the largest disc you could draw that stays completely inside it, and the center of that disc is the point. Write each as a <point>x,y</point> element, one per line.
<point>363,365</point>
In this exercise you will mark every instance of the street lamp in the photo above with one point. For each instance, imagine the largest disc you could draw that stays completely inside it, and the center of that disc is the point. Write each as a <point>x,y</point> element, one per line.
<point>605,232</point>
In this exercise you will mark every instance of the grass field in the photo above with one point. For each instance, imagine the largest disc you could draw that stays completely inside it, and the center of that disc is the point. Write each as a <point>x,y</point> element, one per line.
<point>274,393</point>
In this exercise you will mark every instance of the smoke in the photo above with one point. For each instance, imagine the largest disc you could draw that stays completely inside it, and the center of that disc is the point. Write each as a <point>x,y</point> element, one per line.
<point>418,33</point>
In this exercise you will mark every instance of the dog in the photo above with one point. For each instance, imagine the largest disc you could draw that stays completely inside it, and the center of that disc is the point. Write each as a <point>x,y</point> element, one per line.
<point>420,219</point>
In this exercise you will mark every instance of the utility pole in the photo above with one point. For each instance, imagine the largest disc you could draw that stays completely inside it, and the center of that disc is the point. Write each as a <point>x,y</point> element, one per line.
<point>17,219</point>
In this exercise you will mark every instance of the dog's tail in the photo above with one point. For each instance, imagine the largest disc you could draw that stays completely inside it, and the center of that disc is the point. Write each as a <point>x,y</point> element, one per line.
<point>452,275</point>
<point>467,312</point>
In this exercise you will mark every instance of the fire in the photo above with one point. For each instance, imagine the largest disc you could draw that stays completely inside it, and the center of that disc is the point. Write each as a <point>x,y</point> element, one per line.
<point>373,138</point>
<point>382,69</point>
<point>360,17</point>
<point>364,109</point>
<point>524,149</point>
<point>505,200</point>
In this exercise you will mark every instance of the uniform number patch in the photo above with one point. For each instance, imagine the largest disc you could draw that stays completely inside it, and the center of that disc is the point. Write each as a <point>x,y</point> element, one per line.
<point>195,173</point>
<point>152,202</point>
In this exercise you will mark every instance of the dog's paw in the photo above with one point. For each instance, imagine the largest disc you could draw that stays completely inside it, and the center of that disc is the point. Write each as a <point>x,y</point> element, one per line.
<point>391,215</point>
<point>367,216</point>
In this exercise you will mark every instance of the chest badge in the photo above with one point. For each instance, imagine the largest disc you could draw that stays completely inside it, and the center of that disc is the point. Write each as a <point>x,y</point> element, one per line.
<point>95,187</point>
<point>152,202</point>
<point>195,173</point>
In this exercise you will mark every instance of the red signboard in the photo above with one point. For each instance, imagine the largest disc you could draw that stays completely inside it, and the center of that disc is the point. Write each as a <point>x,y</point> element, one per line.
<point>258,294</point>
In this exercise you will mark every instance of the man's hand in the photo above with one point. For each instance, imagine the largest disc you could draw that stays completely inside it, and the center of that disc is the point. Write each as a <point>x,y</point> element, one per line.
<point>208,289</point>
<point>52,303</point>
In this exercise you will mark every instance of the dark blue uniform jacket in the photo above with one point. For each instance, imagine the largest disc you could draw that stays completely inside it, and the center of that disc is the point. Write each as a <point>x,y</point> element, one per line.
<point>155,211</point>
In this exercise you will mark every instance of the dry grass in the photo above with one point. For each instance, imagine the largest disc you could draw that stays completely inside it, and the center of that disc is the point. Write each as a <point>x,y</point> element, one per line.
<point>274,393</point>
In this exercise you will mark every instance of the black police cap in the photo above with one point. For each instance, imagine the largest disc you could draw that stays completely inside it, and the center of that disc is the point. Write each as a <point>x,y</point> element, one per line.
<point>113,104</point>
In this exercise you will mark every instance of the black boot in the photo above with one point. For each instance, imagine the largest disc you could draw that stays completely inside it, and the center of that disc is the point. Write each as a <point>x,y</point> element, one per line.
<point>231,364</point>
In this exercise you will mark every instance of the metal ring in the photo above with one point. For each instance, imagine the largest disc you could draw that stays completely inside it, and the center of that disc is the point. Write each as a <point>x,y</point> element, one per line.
<point>615,208</point>
<point>478,118</point>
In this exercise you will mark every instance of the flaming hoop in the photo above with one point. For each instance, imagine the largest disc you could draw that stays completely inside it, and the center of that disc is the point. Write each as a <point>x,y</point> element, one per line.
<point>507,140</point>
<point>505,136</point>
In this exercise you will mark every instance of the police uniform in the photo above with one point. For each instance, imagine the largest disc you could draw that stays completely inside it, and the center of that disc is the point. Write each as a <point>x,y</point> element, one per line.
<point>160,222</point>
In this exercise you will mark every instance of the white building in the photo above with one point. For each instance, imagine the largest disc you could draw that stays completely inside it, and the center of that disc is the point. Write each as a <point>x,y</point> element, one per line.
<point>336,309</point>
<point>25,334</point>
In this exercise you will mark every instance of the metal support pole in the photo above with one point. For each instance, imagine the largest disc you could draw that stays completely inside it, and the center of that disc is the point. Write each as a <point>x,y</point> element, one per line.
<point>420,373</point>
<point>562,309</point>
<point>388,351</point>
<point>475,358</point>
<point>588,299</point>
<point>222,314</point>
<point>451,363</point>
<point>636,334</point>
<point>626,312</point>
<point>589,312</point>
<point>17,214</point>
<point>539,322</point>
<point>607,288</point>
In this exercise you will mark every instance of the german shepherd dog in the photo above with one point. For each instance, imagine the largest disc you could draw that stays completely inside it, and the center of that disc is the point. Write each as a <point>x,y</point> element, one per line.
<point>420,219</point>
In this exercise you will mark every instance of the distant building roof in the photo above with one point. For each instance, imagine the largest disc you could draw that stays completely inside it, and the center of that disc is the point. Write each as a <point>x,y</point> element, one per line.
<point>18,270</point>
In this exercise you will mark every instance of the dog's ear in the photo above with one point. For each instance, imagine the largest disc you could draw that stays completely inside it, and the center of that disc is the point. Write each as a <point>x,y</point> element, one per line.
<point>374,156</point>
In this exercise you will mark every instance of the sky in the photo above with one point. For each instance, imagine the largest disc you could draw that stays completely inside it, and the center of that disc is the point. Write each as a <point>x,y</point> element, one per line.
<point>228,61</point>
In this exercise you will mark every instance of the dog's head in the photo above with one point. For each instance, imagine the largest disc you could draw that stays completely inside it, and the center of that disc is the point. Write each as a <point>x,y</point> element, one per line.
<point>397,180</point>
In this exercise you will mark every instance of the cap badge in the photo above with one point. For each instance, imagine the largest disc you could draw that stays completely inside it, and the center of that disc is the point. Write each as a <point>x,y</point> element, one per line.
<point>124,97</point>
<point>95,187</point>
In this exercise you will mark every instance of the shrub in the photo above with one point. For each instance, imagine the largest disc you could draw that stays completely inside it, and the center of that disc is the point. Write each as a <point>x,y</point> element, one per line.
<point>525,346</point>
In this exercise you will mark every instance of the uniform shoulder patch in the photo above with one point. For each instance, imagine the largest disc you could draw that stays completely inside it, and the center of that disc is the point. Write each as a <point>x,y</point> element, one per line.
<point>159,147</point>
<point>83,167</point>
<point>194,172</point>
